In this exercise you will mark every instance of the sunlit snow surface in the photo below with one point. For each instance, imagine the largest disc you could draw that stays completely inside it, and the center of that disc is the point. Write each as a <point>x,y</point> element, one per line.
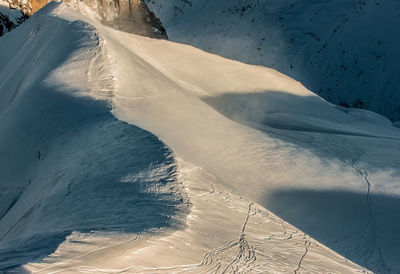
<point>68,165</point>
<point>86,186</point>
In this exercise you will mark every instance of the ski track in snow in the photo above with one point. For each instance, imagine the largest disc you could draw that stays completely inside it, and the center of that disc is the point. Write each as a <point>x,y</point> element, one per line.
<point>250,252</point>
<point>306,245</point>
<point>260,231</point>
<point>375,245</point>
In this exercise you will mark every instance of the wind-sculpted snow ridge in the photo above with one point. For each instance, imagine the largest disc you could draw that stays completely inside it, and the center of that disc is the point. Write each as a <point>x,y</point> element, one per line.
<point>245,139</point>
<point>69,169</point>
<point>345,51</point>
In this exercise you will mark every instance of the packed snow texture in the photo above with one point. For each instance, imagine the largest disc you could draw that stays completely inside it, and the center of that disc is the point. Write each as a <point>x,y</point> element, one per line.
<point>345,51</point>
<point>87,187</point>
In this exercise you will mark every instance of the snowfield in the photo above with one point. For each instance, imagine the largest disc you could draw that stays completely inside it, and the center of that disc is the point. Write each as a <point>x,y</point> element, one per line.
<point>125,154</point>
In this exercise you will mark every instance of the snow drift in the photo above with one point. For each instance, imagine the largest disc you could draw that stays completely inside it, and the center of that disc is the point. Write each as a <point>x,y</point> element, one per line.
<point>234,138</point>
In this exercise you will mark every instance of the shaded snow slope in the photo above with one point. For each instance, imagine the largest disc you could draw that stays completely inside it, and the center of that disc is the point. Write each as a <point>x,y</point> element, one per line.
<point>345,51</point>
<point>67,164</point>
<point>247,138</point>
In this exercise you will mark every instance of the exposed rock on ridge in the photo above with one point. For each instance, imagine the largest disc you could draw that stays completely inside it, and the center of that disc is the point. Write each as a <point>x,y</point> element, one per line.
<point>10,18</point>
<point>127,15</point>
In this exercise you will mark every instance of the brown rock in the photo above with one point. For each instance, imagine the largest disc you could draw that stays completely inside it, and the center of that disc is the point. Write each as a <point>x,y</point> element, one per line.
<point>127,15</point>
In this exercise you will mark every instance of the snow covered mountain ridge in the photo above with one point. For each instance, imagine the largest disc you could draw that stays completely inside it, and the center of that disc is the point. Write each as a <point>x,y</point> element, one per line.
<point>116,149</point>
<point>345,51</point>
<point>127,15</point>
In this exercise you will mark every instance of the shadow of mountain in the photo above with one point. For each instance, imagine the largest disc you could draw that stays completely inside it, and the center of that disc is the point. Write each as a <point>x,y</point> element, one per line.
<point>319,43</point>
<point>310,122</point>
<point>68,165</point>
<point>341,221</point>
<point>368,234</point>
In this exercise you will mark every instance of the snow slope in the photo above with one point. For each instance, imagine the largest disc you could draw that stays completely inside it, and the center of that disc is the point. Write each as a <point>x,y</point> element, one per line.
<point>83,191</point>
<point>345,51</point>
<point>68,165</point>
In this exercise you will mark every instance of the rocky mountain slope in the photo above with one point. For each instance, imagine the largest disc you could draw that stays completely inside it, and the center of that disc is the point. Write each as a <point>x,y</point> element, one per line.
<point>345,51</point>
<point>127,15</point>
<point>10,18</point>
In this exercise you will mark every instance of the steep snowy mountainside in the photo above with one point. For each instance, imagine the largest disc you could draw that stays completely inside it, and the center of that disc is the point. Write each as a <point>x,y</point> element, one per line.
<point>345,51</point>
<point>265,134</point>
<point>96,191</point>
<point>67,164</point>
<point>9,18</point>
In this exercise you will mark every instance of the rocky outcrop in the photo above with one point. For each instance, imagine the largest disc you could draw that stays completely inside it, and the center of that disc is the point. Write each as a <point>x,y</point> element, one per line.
<point>10,18</point>
<point>126,15</point>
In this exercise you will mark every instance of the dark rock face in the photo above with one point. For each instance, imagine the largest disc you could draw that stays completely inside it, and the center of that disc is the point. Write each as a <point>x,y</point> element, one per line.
<point>128,15</point>
<point>10,19</point>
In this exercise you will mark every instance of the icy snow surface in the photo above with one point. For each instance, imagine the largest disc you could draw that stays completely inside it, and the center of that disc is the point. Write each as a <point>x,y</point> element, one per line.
<point>86,186</point>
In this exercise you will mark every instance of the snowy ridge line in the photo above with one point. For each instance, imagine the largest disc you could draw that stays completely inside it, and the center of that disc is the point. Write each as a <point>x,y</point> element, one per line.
<point>142,55</point>
<point>181,85</point>
<point>97,55</point>
<point>103,82</point>
<point>85,53</point>
<point>230,167</point>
